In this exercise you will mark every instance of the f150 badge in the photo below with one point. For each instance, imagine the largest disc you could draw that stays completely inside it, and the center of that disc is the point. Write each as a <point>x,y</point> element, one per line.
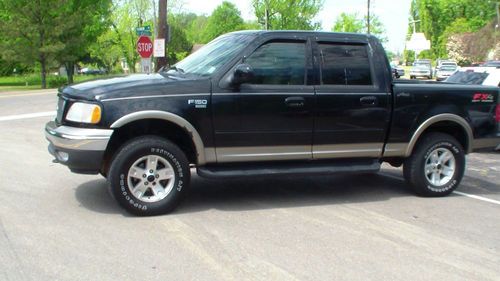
<point>198,103</point>
<point>481,97</point>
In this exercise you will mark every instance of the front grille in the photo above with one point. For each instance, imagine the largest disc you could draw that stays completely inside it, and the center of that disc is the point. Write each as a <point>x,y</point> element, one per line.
<point>60,109</point>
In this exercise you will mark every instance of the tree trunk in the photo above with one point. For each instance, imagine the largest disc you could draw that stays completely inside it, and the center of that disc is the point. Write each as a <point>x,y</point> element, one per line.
<point>70,71</point>
<point>43,63</point>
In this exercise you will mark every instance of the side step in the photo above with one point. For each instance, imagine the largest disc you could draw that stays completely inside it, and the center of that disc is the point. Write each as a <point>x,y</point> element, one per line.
<point>238,170</point>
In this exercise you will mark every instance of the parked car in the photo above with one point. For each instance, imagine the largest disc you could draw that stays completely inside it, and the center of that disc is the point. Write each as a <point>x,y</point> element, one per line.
<point>420,70</point>
<point>491,63</point>
<point>397,71</point>
<point>445,71</point>
<point>91,71</point>
<point>269,103</point>
<point>427,63</point>
<point>488,76</point>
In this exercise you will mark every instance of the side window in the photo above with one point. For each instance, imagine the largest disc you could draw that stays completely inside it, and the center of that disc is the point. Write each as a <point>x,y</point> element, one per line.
<point>279,63</point>
<point>343,64</point>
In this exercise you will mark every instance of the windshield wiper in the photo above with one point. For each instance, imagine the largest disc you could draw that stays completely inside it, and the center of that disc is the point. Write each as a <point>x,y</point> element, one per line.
<point>178,69</point>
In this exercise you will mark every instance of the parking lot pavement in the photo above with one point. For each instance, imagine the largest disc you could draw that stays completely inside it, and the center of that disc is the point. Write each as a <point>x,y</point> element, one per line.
<point>59,225</point>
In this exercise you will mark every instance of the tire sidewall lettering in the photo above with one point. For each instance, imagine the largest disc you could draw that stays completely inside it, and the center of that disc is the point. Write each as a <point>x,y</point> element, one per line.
<point>178,186</point>
<point>453,182</point>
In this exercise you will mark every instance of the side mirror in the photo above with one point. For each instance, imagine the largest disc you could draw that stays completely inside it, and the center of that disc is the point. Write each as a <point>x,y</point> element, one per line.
<point>243,73</point>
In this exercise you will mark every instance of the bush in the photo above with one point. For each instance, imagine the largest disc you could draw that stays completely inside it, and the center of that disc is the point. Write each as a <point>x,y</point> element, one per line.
<point>56,81</point>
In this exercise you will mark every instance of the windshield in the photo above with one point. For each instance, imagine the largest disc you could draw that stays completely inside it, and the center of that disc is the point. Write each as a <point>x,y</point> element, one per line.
<point>212,56</point>
<point>467,77</point>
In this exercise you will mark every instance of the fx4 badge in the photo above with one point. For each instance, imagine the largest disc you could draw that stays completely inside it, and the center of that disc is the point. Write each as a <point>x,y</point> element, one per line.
<point>481,97</point>
<point>198,103</point>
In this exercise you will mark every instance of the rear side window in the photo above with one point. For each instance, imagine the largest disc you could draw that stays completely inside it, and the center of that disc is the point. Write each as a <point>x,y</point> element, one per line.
<point>467,77</point>
<point>344,64</point>
<point>279,63</point>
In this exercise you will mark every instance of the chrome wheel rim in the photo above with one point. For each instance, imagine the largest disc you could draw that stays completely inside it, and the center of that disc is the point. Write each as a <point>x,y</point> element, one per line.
<point>440,166</point>
<point>151,178</point>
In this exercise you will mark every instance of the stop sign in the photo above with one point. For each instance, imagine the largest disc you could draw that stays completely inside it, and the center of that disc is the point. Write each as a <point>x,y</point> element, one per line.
<point>144,47</point>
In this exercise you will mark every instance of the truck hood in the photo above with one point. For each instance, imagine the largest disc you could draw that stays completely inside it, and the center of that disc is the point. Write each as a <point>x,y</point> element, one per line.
<point>125,86</point>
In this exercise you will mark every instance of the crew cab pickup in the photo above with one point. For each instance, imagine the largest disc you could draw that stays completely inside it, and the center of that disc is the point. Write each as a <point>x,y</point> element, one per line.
<point>269,103</point>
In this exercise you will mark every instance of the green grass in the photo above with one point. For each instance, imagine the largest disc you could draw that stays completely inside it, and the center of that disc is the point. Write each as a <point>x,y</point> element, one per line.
<point>33,81</point>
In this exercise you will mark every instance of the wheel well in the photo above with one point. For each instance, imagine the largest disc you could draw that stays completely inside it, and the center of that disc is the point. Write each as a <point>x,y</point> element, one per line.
<point>451,128</point>
<point>157,127</point>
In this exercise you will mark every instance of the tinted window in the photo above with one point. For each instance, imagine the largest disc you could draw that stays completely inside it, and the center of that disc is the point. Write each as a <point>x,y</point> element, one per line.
<point>345,64</point>
<point>467,77</point>
<point>212,56</point>
<point>281,63</point>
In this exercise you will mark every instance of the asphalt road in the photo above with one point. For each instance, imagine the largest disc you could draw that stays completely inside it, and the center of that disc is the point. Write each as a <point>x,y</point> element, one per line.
<point>55,225</point>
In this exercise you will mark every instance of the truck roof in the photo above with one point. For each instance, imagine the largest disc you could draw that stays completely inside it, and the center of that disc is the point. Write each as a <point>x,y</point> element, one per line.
<point>347,35</point>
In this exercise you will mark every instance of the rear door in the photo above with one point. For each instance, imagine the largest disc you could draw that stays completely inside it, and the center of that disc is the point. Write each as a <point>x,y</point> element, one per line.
<point>352,108</point>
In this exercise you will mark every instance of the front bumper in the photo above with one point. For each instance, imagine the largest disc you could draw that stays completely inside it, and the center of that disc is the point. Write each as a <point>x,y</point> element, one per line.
<point>81,149</point>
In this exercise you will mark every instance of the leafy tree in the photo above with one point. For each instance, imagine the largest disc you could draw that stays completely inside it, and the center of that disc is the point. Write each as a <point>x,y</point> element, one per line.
<point>287,14</point>
<point>348,23</point>
<point>127,15</point>
<point>438,18</point>
<point>179,46</point>
<point>43,31</point>
<point>225,18</point>
<point>85,21</point>
<point>353,23</point>
<point>106,50</point>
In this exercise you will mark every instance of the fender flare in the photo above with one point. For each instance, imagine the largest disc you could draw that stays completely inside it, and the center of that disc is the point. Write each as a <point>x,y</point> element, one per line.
<point>439,118</point>
<point>173,118</point>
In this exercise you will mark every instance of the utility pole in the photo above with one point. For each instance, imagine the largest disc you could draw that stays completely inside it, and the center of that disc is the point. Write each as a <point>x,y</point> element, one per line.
<point>266,16</point>
<point>368,18</point>
<point>162,32</point>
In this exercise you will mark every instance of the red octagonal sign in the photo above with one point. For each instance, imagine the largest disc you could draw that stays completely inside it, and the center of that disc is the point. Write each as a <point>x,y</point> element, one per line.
<point>144,47</point>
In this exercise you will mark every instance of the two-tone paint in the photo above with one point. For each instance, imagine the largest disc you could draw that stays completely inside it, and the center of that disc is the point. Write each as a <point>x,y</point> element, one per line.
<point>293,122</point>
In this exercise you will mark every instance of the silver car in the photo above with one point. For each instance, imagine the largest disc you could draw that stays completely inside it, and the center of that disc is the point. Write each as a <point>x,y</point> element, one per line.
<point>420,70</point>
<point>445,71</point>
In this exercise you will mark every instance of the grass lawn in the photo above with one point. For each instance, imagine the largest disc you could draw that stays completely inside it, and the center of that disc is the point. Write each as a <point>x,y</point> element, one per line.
<point>33,81</point>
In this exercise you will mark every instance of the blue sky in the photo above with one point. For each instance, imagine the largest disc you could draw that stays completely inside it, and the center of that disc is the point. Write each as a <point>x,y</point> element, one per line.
<point>392,13</point>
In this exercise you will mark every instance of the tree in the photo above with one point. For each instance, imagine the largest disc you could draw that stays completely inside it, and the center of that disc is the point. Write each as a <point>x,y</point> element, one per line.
<point>127,15</point>
<point>353,23</point>
<point>287,14</point>
<point>348,23</point>
<point>85,21</point>
<point>225,18</point>
<point>41,31</point>
<point>436,16</point>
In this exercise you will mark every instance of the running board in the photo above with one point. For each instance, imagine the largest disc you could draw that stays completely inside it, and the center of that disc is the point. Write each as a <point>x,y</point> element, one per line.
<point>238,170</point>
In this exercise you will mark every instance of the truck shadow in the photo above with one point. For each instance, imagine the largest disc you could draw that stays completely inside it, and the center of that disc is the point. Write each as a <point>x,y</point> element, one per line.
<point>268,193</point>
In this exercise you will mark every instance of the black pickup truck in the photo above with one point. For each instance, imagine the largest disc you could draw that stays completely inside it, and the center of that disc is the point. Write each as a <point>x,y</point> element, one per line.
<point>267,103</point>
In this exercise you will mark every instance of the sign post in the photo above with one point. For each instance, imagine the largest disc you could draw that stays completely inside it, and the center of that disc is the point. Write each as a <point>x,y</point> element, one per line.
<point>145,50</point>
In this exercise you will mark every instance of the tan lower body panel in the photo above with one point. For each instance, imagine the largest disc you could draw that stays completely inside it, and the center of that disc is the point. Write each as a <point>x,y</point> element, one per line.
<point>296,152</point>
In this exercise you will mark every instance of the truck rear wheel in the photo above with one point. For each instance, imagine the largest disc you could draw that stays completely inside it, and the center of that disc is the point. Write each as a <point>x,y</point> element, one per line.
<point>149,176</point>
<point>436,166</point>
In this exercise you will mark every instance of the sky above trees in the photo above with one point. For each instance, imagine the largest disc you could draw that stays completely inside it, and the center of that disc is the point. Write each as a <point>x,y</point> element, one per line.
<point>392,13</point>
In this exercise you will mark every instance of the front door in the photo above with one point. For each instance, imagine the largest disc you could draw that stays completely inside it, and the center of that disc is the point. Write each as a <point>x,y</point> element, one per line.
<point>271,117</point>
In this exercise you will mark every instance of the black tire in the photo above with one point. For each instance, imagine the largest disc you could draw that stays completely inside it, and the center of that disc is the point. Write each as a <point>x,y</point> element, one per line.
<point>412,77</point>
<point>130,154</point>
<point>414,166</point>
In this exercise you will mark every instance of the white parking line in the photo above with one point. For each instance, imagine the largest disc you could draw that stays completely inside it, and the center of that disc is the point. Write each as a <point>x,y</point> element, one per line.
<point>29,94</point>
<point>477,197</point>
<point>456,192</point>
<point>26,116</point>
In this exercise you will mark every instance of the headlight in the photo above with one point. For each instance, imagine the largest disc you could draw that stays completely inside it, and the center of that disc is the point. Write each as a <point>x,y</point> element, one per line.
<point>84,113</point>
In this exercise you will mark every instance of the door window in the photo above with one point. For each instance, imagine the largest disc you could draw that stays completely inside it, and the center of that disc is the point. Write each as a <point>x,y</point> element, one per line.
<point>344,64</point>
<point>278,63</point>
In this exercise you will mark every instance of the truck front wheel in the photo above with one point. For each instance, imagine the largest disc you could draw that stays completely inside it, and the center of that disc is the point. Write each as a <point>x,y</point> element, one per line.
<point>436,166</point>
<point>148,176</point>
